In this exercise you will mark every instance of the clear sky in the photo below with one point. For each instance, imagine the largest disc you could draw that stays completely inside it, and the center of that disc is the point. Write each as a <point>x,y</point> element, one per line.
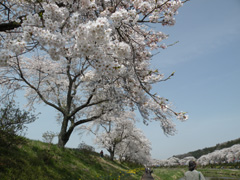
<point>206,84</point>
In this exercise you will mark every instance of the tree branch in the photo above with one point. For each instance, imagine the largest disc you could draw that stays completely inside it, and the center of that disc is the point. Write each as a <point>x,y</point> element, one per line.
<point>35,89</point>
<point>87,120</point>
<point>9,26</point>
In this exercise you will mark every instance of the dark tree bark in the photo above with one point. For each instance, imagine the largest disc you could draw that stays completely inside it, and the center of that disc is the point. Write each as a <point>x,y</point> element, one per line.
<point>9,26</point>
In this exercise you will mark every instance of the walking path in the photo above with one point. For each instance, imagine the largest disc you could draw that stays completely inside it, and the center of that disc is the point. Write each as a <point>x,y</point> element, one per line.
<point>147,176</point>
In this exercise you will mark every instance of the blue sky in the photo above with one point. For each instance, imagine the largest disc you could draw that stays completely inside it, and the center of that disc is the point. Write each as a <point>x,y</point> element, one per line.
<point>207,79</point>
<point>206,83</point>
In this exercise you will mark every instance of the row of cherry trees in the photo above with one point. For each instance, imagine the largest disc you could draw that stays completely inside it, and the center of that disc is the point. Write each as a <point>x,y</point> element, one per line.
<point>226,155</point>
<point>87,59</point>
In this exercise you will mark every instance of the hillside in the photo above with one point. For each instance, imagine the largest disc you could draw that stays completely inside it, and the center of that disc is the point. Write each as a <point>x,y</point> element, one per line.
<point>200,152</point>
<point>41,161</point>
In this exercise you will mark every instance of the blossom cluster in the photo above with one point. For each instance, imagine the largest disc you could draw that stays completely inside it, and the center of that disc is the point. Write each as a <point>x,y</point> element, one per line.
<point>124,16</point>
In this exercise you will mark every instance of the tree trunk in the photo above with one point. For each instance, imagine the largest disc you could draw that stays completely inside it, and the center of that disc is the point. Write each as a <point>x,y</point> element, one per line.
<point>64,134</point>
<point>62,140</point>
<point>111,155</point>
<point>111,150</point>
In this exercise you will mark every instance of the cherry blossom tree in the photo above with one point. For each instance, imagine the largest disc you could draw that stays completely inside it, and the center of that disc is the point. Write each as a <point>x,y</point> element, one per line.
<point>186,160</point>
<point>85,58</point>
<point>121,137</point>
<point>136,148</point>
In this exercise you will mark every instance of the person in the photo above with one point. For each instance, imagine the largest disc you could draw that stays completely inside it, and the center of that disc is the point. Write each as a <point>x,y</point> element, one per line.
<point>101,153</point>
<point>192,173</point>
<point>148,170</point>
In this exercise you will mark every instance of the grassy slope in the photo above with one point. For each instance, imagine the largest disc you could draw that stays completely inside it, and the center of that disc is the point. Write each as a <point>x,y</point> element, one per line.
<point>39,161</point>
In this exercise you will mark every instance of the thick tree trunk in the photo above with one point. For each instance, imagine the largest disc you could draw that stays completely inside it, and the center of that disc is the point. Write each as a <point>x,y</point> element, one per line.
<point>62,140</point>
<point>111,155</point>
<point>64,134</point>
<point>111,150</point>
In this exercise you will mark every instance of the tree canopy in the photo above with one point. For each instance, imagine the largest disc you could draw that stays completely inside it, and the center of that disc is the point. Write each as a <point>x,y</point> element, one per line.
<point>85,58</point>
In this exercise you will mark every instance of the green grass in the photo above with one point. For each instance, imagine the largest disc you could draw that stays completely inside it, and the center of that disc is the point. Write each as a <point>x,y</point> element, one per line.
<point>168,173</point>
<point>177,173</point>
<point>39,161</point>
<point>220,172</point>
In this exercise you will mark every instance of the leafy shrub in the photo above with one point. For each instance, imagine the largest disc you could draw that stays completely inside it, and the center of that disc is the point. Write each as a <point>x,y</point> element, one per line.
<point>87,148</point>
<point>12,123</point>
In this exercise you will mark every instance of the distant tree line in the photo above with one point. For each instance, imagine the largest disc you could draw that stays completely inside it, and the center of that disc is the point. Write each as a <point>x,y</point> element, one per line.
<point>198,153</point>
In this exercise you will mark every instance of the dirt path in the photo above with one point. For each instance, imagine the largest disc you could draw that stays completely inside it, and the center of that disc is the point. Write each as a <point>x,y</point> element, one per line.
<point>147,176</point>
